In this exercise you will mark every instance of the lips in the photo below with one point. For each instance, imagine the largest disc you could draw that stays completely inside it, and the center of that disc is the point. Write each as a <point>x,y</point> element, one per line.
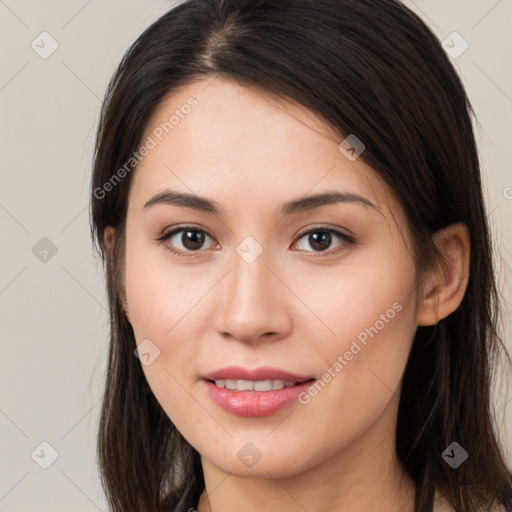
<point>257,392</point>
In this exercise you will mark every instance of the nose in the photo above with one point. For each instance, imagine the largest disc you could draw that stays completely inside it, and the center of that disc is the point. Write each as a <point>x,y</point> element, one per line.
<point>253,303</point>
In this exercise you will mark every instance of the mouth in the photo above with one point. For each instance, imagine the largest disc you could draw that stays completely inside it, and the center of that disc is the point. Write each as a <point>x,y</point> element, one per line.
<point>258,392</point>
<point>256,385</point>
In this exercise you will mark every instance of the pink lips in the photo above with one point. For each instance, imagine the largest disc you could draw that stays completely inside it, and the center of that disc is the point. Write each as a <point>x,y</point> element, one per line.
<point>254,403</point>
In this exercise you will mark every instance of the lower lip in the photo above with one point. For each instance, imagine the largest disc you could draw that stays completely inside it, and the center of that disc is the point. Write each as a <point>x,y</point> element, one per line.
<point>255,403</point>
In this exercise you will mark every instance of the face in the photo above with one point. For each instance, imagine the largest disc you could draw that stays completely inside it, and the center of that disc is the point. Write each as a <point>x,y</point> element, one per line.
<point>306,307</point>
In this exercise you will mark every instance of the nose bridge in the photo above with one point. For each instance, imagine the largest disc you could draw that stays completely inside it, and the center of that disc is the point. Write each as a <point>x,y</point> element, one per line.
<point>251,305</point>
<point>250,281</point>
<point>250,275</point>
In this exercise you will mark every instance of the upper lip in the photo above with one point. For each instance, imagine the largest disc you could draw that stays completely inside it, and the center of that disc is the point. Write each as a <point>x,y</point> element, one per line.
<point>262,373</point>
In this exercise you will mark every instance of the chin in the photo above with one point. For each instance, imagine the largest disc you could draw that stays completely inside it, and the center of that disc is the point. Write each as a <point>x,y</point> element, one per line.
<point>263,460</point>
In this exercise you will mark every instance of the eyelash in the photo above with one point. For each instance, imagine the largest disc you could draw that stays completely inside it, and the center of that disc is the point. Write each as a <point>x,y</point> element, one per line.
<point>346,239</point>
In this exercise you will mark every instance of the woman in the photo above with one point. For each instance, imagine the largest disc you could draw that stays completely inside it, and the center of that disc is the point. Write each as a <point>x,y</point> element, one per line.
<point>304,315</point>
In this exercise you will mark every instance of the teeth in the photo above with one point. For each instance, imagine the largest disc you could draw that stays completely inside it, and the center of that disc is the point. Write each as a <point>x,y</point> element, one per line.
<point>263,385</point>
<point>230,384</point>
<point>244,385</point>
<point>254,385</point>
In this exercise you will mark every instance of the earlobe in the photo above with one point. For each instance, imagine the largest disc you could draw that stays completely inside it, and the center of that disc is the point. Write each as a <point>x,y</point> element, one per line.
<point>124,303</point>
<point>446,286</point>
<point>109,236</point>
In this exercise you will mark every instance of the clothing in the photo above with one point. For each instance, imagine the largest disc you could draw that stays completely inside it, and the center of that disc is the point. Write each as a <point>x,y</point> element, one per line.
<point>441,505</point>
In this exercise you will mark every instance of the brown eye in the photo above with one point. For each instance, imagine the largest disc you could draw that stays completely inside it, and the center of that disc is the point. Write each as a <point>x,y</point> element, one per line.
<point>192,239</point>
<point>321,238</point>
<point>185,240</point>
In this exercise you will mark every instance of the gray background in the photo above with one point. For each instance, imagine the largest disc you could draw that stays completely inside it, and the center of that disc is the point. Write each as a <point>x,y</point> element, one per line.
<point>53,304</point>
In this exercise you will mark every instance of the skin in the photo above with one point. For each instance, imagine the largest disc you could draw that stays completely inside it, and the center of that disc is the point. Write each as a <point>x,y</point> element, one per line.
<point>251,151</point>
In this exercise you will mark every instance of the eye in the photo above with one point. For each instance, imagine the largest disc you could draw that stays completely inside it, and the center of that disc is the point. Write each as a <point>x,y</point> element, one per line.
<point>191,239</point>
<point>320,239</point>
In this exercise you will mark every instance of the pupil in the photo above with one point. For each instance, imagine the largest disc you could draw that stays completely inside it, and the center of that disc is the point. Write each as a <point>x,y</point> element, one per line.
<point>320,244</point>
<point>192,239</point>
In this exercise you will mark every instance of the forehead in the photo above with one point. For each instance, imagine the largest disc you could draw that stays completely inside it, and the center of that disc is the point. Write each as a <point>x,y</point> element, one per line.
<point>219,138</point>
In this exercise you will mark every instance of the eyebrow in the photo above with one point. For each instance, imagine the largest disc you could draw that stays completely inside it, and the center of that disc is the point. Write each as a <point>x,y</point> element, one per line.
<point>174,198</point>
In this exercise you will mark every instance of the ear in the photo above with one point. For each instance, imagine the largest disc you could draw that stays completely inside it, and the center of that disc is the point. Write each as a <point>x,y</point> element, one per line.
<point>109,236</point>
<point>445,287</point>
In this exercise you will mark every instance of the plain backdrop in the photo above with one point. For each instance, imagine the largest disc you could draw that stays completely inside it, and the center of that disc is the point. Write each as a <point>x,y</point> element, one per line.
<point>52,299</point>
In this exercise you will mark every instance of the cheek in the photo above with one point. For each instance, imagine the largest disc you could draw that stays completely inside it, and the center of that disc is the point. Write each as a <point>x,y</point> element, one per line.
<point>167,307</point>
<point>158,293</point>
<point>370,313</point>
<point>161,309</point>
<point>366,290</point>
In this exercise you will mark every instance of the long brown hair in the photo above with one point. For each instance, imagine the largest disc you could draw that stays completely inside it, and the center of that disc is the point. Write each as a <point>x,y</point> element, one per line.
<point>370,68</point>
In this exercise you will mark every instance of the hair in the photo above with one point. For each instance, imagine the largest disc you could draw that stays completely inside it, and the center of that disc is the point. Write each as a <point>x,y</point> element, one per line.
<point>366,67</point>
